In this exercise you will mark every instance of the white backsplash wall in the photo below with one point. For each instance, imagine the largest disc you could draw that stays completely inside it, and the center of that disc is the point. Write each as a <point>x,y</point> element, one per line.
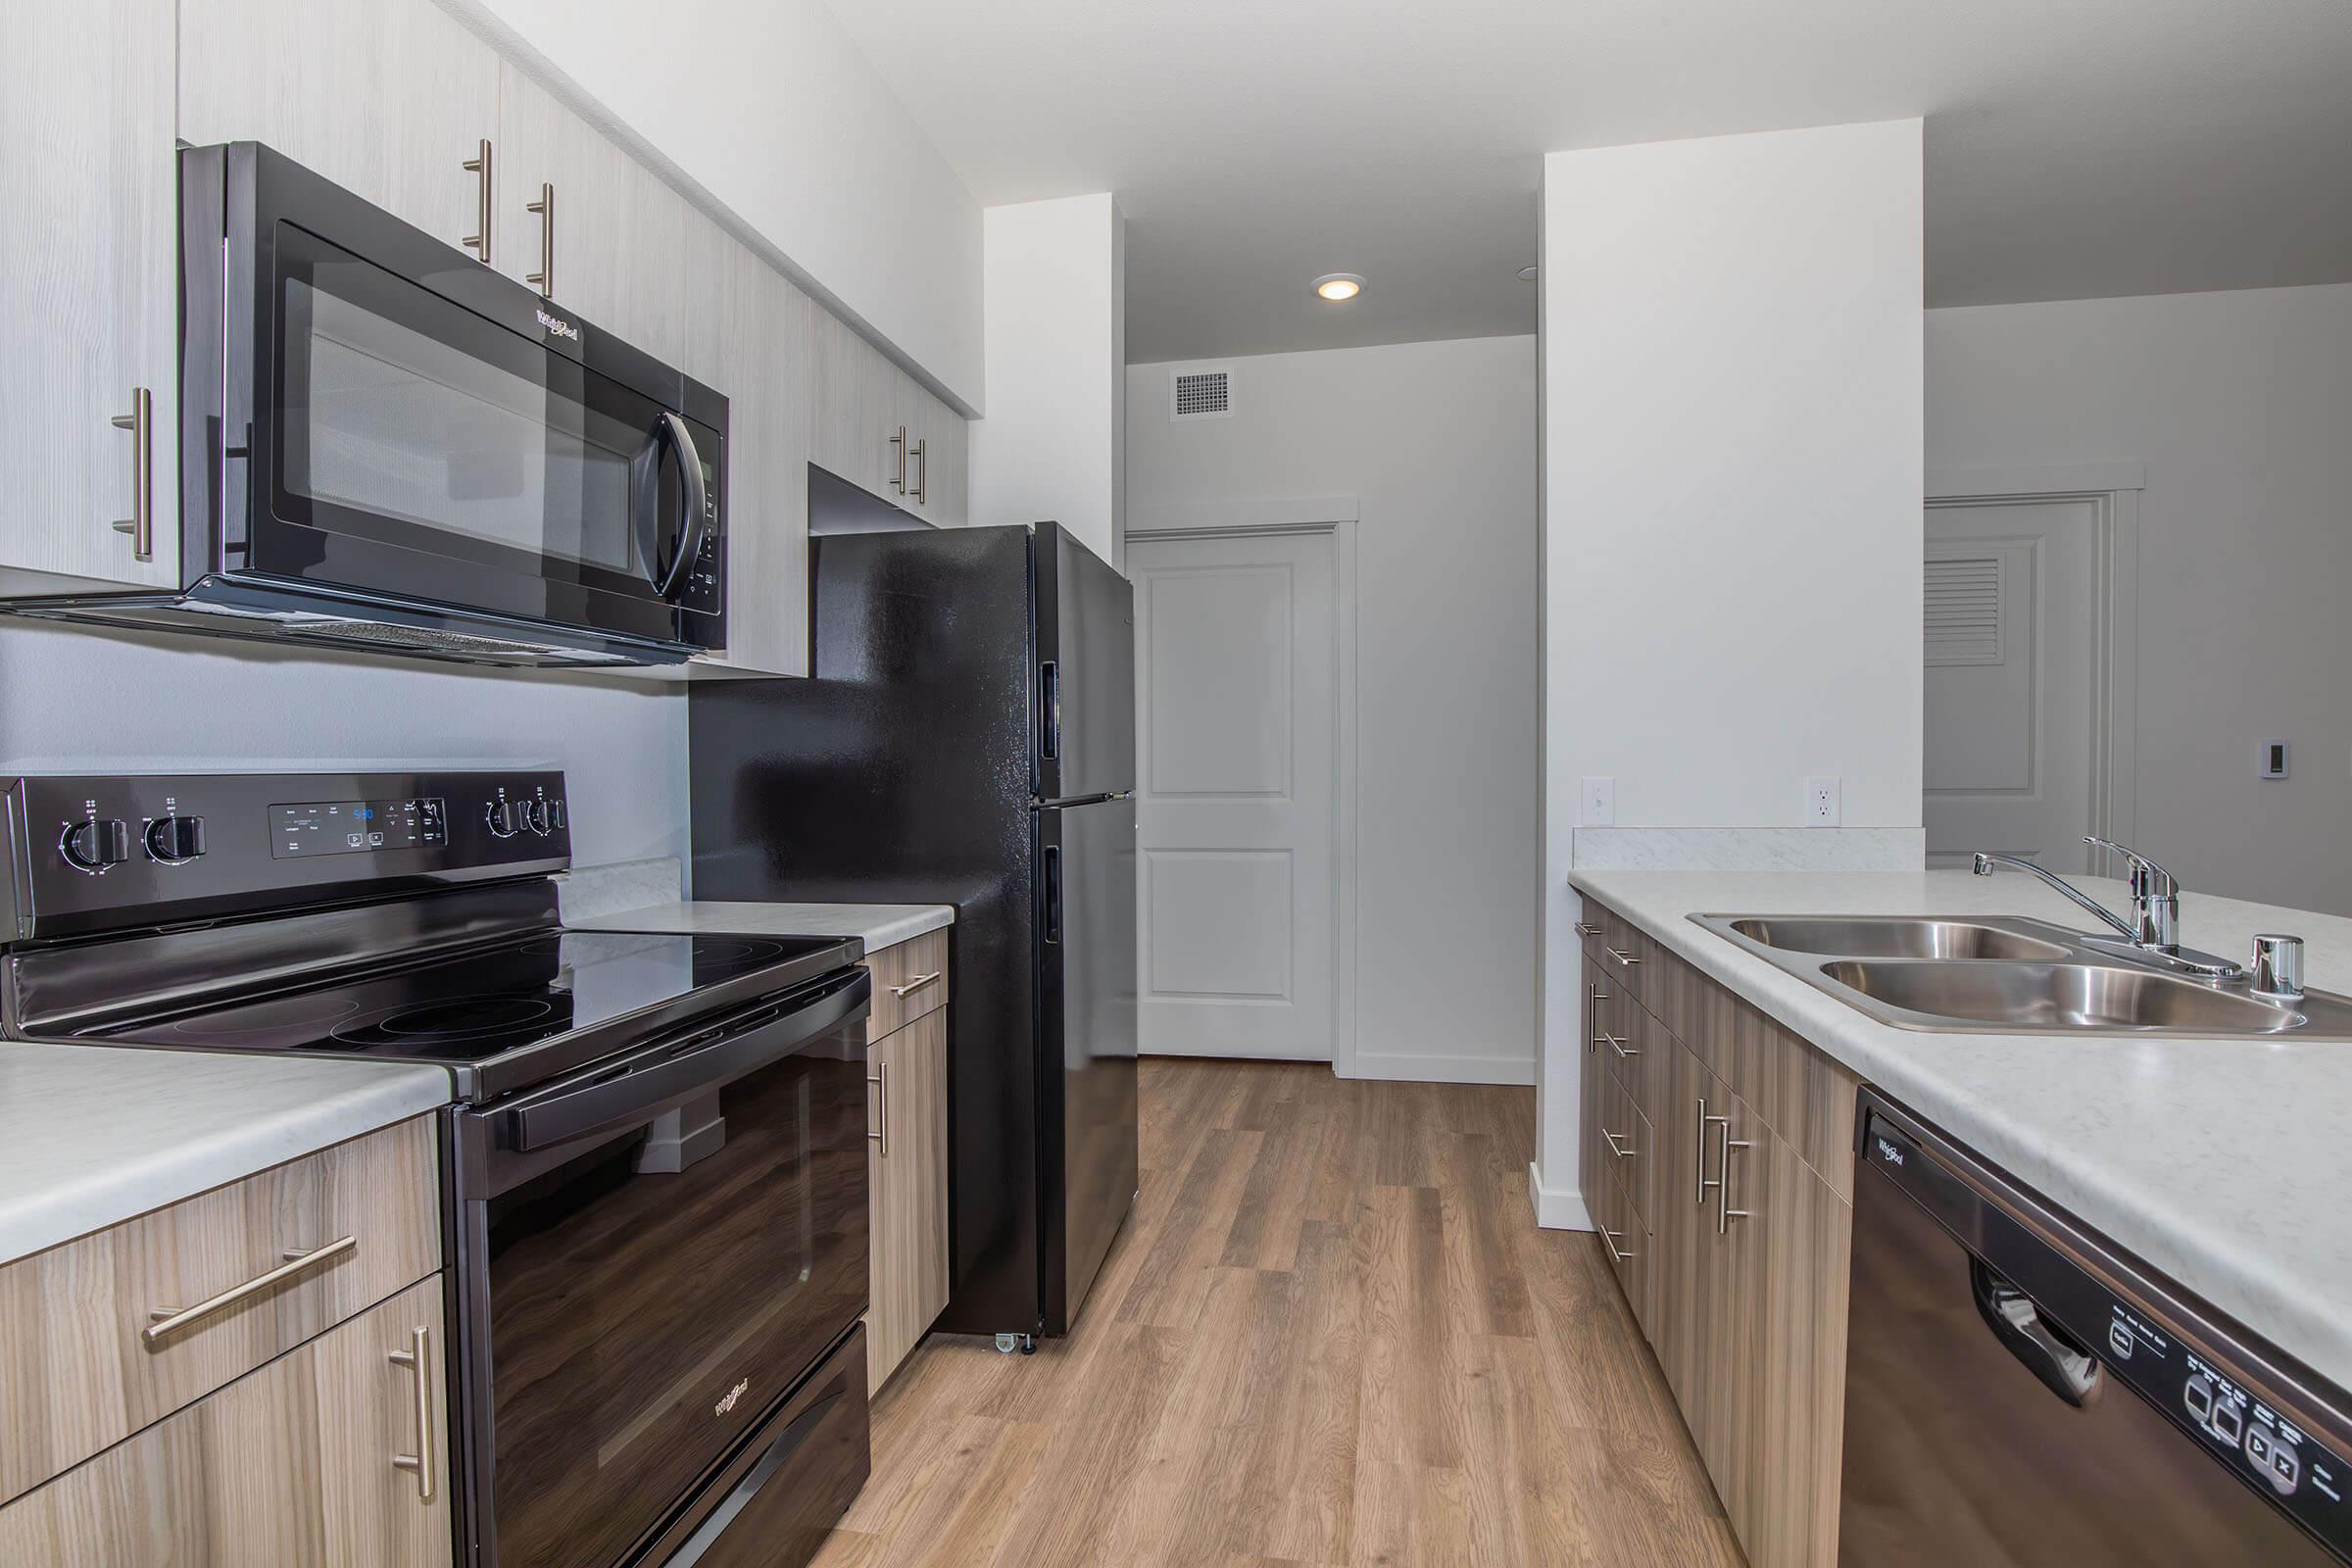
<point>80,701</point>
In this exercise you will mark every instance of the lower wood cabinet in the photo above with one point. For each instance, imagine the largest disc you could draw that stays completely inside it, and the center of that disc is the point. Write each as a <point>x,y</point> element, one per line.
<point>906,1157</point>
<point>333,1453</point>
<point>1742,1293</point>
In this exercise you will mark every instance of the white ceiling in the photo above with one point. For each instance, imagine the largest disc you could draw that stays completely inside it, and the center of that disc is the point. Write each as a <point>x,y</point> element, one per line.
<point>2074,149</point>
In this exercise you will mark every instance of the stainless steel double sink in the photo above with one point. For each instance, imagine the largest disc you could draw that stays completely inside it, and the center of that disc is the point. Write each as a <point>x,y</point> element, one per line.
<point>2006,974</point>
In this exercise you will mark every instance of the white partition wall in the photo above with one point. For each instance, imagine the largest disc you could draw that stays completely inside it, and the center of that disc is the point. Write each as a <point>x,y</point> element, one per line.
<point>1731,333</point>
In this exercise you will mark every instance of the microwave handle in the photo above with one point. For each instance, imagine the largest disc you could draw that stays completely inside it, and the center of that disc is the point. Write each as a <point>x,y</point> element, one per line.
<point>623,1099</point>
<point>671,438</point>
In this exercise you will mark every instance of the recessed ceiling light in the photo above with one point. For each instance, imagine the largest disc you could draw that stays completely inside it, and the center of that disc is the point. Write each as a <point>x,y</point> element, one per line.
<point>1337,286</point>
<point>1528,272</point>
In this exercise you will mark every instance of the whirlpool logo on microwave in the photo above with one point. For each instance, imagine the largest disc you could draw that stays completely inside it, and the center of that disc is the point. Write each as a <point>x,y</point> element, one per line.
<point>557,325</point>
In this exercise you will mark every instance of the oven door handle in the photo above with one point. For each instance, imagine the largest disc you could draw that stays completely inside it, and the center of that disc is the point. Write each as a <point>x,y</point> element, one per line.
<point>672,439</point>
<point>605,1103</point>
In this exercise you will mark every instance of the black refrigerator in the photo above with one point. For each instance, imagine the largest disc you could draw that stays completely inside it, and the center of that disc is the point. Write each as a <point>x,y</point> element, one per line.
<point>967,737</point>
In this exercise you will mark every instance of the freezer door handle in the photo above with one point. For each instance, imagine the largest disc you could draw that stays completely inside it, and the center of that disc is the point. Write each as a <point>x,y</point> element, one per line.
<point>2049,1351</point>
<point>1053,892</point>
<point>1048,686</point>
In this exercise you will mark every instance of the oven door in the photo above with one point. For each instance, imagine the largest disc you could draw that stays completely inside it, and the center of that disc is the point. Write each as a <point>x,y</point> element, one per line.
<point>651,1251</point>
<point>422,430</point>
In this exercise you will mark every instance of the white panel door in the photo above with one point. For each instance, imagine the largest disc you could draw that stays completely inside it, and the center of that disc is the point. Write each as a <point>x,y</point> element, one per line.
<point>1234,726</point>
<point>2011,628</point>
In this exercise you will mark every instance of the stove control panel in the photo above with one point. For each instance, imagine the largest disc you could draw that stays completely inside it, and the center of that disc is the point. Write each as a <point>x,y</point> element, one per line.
<point>89,855</point>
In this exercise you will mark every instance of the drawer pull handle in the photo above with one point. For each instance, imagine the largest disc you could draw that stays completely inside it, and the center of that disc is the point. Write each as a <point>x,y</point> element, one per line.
<point>880,1079</point>
<point>1724,1213</point>
<point>416,1357</point>
<point>170,1320</point>
<point>1626,959</point>
<point>1624,1052</point>
<point>1621,1151</point>
<point>915,984</point>
<point>1608,1239</point>
<point>1584,930</point>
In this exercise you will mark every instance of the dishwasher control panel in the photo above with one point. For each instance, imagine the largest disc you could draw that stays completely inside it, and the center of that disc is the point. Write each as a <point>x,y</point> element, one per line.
<point>2239,1427</point>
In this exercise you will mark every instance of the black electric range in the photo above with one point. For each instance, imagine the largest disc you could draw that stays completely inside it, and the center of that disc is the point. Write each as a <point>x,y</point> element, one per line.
<point>653,1164</point>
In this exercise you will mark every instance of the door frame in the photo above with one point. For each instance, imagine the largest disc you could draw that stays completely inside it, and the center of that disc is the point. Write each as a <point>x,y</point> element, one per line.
<point>1336,515</point>
<point>2113,491</point>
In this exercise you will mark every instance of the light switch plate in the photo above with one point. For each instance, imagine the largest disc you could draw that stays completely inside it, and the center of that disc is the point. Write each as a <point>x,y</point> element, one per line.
<point>1820,803</point>
<point>2274,758</point>
<point>1599,803</point>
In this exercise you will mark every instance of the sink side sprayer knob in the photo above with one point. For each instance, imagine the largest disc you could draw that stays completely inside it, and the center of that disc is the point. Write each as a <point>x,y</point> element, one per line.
<point>2277,967</point>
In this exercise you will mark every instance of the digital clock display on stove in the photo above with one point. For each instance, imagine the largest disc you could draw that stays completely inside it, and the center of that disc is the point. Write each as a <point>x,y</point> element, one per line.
<point>355,827</point>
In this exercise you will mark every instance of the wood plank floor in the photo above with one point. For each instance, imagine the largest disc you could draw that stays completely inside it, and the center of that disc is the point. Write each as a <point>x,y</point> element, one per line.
<point>1330,1332</point>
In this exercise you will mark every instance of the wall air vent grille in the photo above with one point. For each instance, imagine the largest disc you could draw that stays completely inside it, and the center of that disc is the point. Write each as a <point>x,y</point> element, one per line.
<point>1964,610</point>
<point>1201,394</point>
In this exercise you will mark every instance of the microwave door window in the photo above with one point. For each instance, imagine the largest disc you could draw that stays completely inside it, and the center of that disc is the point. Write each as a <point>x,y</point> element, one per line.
<point>412,422</point>
<point>403,425</point>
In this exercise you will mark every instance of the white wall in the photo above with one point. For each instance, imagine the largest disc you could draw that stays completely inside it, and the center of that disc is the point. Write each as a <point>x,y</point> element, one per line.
<point>1436,442</point>
<point>770,111</point>
<point>84,702</point>
<point>1731,457</point>
<point>2238,407</point>
<point>1052,447</point>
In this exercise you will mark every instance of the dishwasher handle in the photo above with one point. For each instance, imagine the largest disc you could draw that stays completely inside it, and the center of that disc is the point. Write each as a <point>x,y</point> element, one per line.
<point>2065,1368</point>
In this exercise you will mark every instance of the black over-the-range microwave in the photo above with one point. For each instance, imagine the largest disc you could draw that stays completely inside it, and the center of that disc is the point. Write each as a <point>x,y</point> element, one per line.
<point>385,443</point>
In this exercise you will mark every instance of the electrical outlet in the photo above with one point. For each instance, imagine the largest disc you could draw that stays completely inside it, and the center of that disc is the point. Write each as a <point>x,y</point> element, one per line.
<point>1820,803</point>
<point>1599,803</point>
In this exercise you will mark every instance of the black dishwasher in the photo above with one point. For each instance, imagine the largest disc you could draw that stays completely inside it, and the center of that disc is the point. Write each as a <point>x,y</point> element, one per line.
<point>2020,1392</point>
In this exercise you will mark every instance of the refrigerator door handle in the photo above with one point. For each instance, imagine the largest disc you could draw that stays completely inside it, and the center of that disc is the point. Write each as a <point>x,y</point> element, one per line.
<point>1049,682</point>
<point>1053,892</point>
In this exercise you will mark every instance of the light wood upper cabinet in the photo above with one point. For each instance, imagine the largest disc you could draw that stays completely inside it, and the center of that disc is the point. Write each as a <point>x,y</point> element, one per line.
<point>88,204</point>
<point>298,1464</point>
<point>762,367</point>
<point>389,100</point>
<point>860,406</point>
<point>602,235</point>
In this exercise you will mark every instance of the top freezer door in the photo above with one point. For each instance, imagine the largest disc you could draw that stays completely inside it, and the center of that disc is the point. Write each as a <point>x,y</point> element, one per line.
<point>1086,673</point>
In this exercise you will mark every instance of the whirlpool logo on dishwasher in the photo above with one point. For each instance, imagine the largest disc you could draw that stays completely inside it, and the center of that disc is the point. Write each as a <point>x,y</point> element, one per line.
<point>1888,1152</point>
<point>734,1393</point>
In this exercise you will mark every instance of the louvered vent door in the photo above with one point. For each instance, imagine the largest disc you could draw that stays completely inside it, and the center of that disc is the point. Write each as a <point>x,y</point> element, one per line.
<point>2010,595</point>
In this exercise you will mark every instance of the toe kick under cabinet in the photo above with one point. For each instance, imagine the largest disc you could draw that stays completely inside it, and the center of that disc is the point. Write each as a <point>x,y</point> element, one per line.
<point>1717,1151</point>
<point>249,1377</point>
<point>907,1147</point>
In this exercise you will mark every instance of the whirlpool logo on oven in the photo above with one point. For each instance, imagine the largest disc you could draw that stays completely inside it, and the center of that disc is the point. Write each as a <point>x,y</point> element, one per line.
<point>734,1393</point>
<point>557,325</point>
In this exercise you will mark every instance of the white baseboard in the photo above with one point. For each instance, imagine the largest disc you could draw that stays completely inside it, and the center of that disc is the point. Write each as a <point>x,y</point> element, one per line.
<point>1445,1069</point>
<point>1557,1210</point>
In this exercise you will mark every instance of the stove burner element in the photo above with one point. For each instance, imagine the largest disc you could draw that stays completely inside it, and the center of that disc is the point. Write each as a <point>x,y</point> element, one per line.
<point>457,1026</point>
<point>292,1013</point>
<point>464,1018</point>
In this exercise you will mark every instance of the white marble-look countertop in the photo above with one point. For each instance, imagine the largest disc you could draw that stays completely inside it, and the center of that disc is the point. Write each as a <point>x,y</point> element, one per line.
<point>2225,1163</point>
<point>94,1135</point>
<point>877,925</point>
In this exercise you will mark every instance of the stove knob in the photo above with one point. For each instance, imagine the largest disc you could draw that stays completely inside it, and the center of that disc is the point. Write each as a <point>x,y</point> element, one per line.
<point>536,817</point>
<point>95,845</point>
<point>176,840</point>
<point>505,818</point>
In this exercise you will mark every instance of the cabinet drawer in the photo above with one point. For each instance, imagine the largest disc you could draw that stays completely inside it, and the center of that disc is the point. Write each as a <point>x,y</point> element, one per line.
<point>910,979</point>
<point>1626,1244</point>
<point>1628,1148</point>
<point>292,1466</point>
<point>1619,951</point>
<point>84,1359</point>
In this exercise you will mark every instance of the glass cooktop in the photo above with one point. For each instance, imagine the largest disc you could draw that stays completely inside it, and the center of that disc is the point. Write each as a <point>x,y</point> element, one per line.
<point>482,1004</point>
